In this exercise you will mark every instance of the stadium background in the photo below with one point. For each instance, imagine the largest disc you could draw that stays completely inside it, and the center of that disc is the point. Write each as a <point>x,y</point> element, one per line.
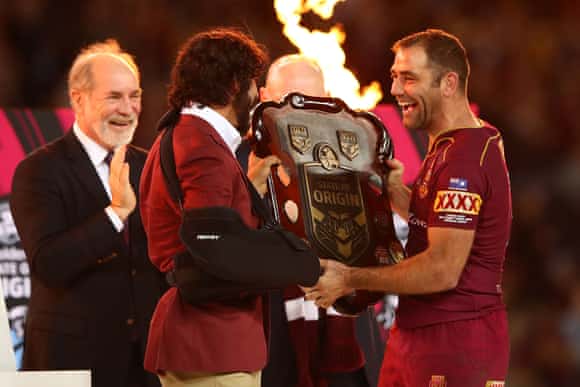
<point>525,58</point>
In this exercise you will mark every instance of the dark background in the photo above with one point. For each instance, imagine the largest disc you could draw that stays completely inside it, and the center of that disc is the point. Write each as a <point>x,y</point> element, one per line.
<point>525,77</point>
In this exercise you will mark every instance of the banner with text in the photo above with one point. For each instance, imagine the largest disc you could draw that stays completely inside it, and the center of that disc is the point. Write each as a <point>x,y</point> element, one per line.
<point>21,131</point>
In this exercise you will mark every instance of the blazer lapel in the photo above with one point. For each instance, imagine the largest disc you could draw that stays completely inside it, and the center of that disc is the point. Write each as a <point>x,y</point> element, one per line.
<point>253,194</point>
<point>84,170</point>
<point>220,141</point>
<point>134,177</point>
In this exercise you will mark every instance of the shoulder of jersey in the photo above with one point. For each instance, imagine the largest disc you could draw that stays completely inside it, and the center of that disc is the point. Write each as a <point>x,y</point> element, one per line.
<point>472,144</point>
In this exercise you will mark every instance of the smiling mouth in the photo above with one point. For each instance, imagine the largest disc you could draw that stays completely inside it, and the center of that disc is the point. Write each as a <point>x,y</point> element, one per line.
<point>407,107</point>
<point>120,123</point>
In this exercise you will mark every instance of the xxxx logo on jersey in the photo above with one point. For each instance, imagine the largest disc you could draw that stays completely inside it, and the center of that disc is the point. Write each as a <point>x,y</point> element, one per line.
<point>457,202</point>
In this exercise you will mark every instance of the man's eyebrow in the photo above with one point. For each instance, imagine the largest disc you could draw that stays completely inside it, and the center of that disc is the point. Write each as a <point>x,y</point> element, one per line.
<point>403,72</point>
<point>407,72</point>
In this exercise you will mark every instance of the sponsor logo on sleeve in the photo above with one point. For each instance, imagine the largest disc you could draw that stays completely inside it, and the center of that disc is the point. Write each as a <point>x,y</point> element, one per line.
<point>465,203</point>
<point>495,383</point>
<point>458,183</point>
<point>414,221</point>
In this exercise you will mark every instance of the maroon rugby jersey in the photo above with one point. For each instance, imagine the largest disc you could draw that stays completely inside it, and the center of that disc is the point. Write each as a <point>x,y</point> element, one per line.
<point>463,183</point>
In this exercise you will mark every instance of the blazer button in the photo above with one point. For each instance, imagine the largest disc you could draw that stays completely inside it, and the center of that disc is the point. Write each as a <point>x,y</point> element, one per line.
<point>130,321</point>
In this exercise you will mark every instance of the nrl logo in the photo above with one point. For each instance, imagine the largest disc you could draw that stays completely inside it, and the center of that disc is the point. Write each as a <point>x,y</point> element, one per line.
<point>299,138</point>
<point>348,144</point>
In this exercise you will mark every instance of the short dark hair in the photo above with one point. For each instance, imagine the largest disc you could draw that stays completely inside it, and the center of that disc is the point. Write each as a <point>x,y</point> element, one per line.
<point>444,51</point>
<point>214,66</point>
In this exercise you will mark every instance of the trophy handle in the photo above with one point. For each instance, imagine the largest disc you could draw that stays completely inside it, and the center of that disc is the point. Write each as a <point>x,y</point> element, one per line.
<point>272,194</point>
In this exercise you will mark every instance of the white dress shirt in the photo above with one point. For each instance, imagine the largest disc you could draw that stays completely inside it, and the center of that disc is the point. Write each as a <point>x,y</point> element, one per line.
<point>225,129</point>
<point>97,156</point>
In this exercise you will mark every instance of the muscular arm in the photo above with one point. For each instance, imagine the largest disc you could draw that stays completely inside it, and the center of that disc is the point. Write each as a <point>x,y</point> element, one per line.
<point>399,193</point>
<point>436,269</point>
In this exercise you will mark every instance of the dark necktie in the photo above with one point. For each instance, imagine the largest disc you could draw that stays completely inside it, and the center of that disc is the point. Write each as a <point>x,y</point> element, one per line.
<point>107,161</point>
<point>108,158</point>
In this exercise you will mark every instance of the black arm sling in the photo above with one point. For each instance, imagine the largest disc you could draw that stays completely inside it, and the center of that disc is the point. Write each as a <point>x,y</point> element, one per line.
<point>225,259</point>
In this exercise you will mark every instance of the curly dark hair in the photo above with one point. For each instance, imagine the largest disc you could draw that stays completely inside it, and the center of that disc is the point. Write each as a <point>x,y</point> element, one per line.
<point>214,66</point>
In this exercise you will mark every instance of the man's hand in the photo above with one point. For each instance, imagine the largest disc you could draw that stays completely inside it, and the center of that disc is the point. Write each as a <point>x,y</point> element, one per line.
<point>123,199</point>
<point>259,170</point>
<point>399,193</point>
<point>395,179</point>
<point>331,285</point>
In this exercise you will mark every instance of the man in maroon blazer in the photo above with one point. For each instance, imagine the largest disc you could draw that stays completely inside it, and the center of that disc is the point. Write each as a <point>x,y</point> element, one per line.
<point>213,89</point>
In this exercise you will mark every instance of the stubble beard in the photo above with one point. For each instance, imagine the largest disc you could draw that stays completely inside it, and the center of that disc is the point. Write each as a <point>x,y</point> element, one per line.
<point>420,123</point>
<point>243,106</point>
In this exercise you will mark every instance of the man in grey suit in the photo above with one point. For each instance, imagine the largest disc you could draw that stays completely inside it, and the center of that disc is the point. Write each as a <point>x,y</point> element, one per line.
<point>93,287</point>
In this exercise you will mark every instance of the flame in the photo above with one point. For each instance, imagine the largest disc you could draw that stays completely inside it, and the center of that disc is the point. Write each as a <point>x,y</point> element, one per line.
<point>325,48</point>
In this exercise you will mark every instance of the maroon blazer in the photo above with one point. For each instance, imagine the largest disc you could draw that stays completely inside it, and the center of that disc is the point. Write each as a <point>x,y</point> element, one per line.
<point>214,337</point>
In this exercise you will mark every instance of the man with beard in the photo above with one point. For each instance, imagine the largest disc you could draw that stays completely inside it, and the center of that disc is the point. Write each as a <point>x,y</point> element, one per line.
<point>212,91</point>
<point>93,287</point>
<point>451,325</point>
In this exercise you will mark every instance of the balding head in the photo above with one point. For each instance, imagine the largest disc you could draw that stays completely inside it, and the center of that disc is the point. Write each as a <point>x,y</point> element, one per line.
<point>80,75</point>
<point>292,73</point>
<point>105,94</point>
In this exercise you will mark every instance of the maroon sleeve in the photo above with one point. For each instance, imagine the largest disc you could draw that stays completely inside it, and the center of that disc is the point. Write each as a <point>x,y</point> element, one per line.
<point>458,195</point>
<point>204,171</point>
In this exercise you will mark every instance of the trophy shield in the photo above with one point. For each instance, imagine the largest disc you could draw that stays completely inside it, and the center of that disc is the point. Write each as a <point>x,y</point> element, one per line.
<point>329,188</point>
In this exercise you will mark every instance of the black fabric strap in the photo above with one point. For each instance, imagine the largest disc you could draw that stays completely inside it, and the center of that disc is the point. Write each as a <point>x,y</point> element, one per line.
<point>259,206</point>
<point>211,269</point>
<point>169,170</point>
<point>108,158</point>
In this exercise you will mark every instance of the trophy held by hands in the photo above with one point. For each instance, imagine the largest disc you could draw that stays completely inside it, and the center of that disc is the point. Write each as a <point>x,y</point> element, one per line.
<point>329,188</point>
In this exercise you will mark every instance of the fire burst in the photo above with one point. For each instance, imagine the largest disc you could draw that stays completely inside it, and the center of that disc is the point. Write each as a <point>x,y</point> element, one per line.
<point>325,48</point>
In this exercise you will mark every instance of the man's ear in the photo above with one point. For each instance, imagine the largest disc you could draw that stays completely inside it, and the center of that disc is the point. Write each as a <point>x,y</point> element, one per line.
<point>76,99</point>
<point>449,84</point>
<point>264,95</point>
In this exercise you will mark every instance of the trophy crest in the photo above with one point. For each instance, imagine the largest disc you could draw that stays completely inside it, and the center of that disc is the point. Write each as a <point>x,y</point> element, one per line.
<point>330,187</point>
